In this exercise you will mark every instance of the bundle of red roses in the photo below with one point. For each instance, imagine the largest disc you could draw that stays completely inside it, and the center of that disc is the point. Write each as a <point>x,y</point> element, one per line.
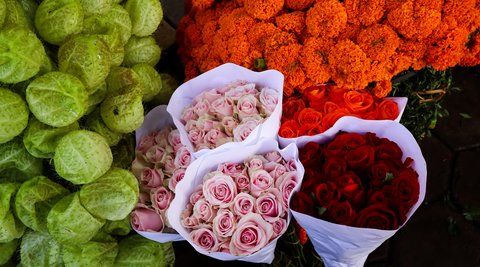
<point>358,181</point>
<point>321,106</point>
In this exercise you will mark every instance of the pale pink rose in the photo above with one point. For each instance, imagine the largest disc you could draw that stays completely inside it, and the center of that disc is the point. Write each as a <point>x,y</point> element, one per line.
<point>177,176</point>
<point>187,212</point>
<point>211,175</point>
<point>243,183</point>
<point>257,118</point>
<point>161,198</point>
<point>139,164</point>
<point>197,194</point>
<point>254,163</point>
<point>196,136</point>
<point>269,100</point>
<point>183,158</point>
<point>268,205</point>
<point>205,239</point>
<point>291,165</point>
<point>174,139</point>
<point>222,107</point>
<point>202,107</point>
<point>188,113</point>
<point>224,224</point>
<point>211,95</point>
<point>286,183</point>
<point>243,204</point>
<point>151,178</point>
<point>144,198</point>
<point>190,222</point>
<point>213,136</point>
<point>146,220</point>
<point>236,93</point>
<point>231,168</point>
<point>146,143</point>
<point>229,123</point>
<point>224,246</point>
<point>233,84</point>
<point>169,165</point>
<point>197,99</point>
<point>220,190</point>
<point>192,124</point>
<point>207,122</point>
<point>163,134</point>
<point>274,156</point>
<point>252,234</point>
<point>203,146</point>
<point>279,227</point>
<point>260,181</point>
<point>224,140</point>
<point>277,171</point>
<point>243,130</point>
<point>204,210</point>
<point>246,106</point>
<point>156,154</point>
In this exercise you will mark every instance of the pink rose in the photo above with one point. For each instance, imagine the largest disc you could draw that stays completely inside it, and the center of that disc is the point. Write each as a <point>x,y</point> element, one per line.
<point>243,182</point>
<point>279,227</point>
<point>243,130</point>
<point>291,165</point>
<point>252,234</point>
<point>156,154</point>
<point>190,222</point>
<point>138,164</point>
<point>268,205</point>
<point>144,198</point>
<point>213,136</point>
<point>233,84</point>
<point>146,220</point>
<point>187,212</point>
<point>211,95</point>
<point>174,139</point>
<point>196,136</point>
<point>207,122</point>
<point>203,146</point>
<point>220,190</point>
<point>197,194</point>
<point>205,239</point>
<point>224,140</point>
<point>246,106</point>
<point>236,93</point>
<point>269,100</point>
<point>192,124</point>
<point>224,246</point>
<point>243,204</point>
<point>231,168</point>
<point>146,143</point>
<point>188,113</point>
<point>224,224</point>
<point>277,171</point>
<point>286,183</point>
<point>260,181</point>
<point>254,163</point>
<point>202,107</point>
<point>229,123</point>
<point>169,165</point>
<point>183,158</point>
<point>177,176</point>
<point>163,134</point>
<point>274,156</point>
<point>161,198</point>
<point>151,178</point>
<point>222,107</point>
<point>204,210</point>
<point>257,118</point>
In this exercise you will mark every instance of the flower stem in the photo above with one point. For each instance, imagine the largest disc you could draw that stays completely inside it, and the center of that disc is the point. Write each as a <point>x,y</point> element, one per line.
<point>259,64</point>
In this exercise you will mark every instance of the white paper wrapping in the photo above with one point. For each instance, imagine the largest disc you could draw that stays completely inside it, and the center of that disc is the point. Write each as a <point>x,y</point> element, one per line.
<point>340,245</point>
<point>219,76</point>
<point>302,140</point>
<point>156,119</point>
<point>208,163</point>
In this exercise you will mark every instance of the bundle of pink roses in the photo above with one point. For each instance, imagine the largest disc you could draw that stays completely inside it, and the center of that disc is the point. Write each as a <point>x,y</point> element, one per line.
<point>160,163</point>
<point>227,113</point>
<point>241,207</point>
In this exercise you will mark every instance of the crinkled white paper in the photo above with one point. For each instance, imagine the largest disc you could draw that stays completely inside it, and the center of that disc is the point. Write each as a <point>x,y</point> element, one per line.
<point>183,95</point>
<point>208,163</point>
<point>345,246</point>
<point>302,140</point>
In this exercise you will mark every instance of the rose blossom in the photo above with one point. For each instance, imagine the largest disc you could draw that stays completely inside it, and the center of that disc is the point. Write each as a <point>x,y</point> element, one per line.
<point>144,198</point>
<point>229,123</point>
<point>145,143</point>
<point>233,84</point>
<point>252,234</point>
<point>277,171</point>
<point>269,100</point>
<point>203,146</point>
<point>243,204</point>
<point>222,107</point>
<point>238,92</point>
<point>197,194</point>
<point>254,163</point>
<point>151,178</point>
<point>169,165</point>
<point>267,205</point>
<point>188,113</point>
<point>274,156</point>
<point>222,141</point>
<point>196,136</point>
<point>191,124</point>
<point>243,130</point>
<point>279,227</point>
<point>207,122</point>
<point>213,136</point>
<point>187,219</point>
<point>202,107</point>
<point>246,106</point>
<point>231,168</point>
<point>163,134</point>
<point>146,220</point>
<point>174,139</point>
<point>156,154</point>
<point>224,246</point>
<point>243,182</point>
<point>139,164</point>
<point>219,190</point>
<point>211,95</point>
<point>205,239</point>
<point>204,210</point>
<point>291,165</point>
<point>224,223</point>
<point>183,158</point>
<point>286,183</point>
<point>260,181</point>
<point>161,198</point>
<point>177,176</point>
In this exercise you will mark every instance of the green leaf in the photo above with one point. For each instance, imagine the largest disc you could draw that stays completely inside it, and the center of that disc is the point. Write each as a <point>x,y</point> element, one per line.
<point>452,227</point>
<point>321,211</point>
<point>389,177</point>
<point>471,213</point>
<point>466,116</point>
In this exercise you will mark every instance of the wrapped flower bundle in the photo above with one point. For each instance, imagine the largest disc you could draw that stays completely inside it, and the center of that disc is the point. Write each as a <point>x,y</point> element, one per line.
<point>228,113</point>
<point>321,106</point>
<point>357,44</point>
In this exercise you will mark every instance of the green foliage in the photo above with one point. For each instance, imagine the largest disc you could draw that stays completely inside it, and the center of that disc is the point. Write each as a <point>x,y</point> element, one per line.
<point>101,250</point>
<point>16,164</point>
<point>13,115</point>
<point>136,250</point>
<point>40,249</point>
<point>146,15</point>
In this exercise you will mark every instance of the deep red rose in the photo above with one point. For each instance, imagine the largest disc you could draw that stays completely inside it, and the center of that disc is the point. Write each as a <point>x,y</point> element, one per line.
<point>351,188</point>
<point>407,188</point>
<point>380,195</point>
<point>290,106</point>
<point>377,173</point>
<point>334,149</point>
<point>311,156</point>
<point>302,203</point>
<point>373,115</point>
<point>310,130</point>
<point>377,216</point>
<point>352,140</point>
<point>326,193</point>
<point>387,151</point>
<point>331,118</point>
<point>372,139</point>
<point>342,213</point>
<point>358,159</point>
<point>311,180</point>
<point>334,168</point>
<point>336,94</point>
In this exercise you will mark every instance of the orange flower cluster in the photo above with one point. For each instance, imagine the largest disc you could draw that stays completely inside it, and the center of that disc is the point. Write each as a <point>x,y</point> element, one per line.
<point>322,105</point>
<point>357,44</point>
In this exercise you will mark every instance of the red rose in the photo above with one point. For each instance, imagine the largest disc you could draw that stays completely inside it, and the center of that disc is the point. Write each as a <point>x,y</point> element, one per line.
<point>351,188</point>
<point>334,168</point>
<point>352,140</point>
<point>377,173</point>
<point>373,115</point>
<point>377,216</point>
<point>311,156</point>
<point>316,95</point>
<point>310,130</point>
<point>308,116</point>
<point>380,195</point>
<point>360,158</point>
<point>311,180</point>
<point>407,188</point>
<point>334,149</point>
<point>388,150</point>
<point>330,107</point>
<point>289,129</point>
<point>302,203</point>
<point>290,106</point>
<point>358,102</point>
<point>326,193</point>
<point>388,110</point>
<point>372,139</point>
<point>342,213</point>
<point>336,94</point>
<point>331,118</point>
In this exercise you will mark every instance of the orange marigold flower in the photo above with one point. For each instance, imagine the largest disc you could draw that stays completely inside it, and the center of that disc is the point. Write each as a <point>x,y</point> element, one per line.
<point>204,16</point>
<point>291,22</point>
<point>401,62</point>
<point>447,52</point>
<point>351,32</point>
<point>288,90</point>
<point>192,37</point>
<point>220,47</point>
<point>199,54</point>
<point>458,8</point>
<point>381,88</point>
<point>314,59</point>
<point>415,50</point>
<point>472,53</point>
<point>202,4</point>
<point>295,76</point>
<point>236,22</point>
<point>209,31</point>
<point>298,4</point>
<point>326,19</point>
<point>364,12</point>
<point>191,71</point>
<point>350,65</point>
<point>258,34</point>
<point>238,48</point>
<point>263,9</point>
<point>380,70</point>
<point>393,4</point>
<point>414,20</point>
<point>208,64</point>
<point>182,24</point>
<point>188,6</point>
<point>379,41</point>
<point>281,49</point>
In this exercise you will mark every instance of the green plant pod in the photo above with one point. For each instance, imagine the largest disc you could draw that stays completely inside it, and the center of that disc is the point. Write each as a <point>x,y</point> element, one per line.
<point>124,152</point>
<point>29,9</point>
<point>13,115</point>
<point>10,226</point>
<point>169,85</point>
<point>95,123</point>
<point>97,97</point>
<point>95,7</point>
<point>119,227</point>
<point>70,223</point>
<point>56,20</point>
<point>112,196</point>
<point>121,77</point>
<point>123,113</point>
<point>104,28</point>
<point>82,156</point>
<point>136,250</point>
<point>7,249</point>
<point>21,54</point>
<point>40,249</point>
<point>16,164</point>
<point>57,99</point>
<point>118,56</point>
<point>121,18</point>
<point>141,50</point>
<point>87,57</point>
<point>101,250</point>
<point>146,15</point>
<point>151,80</point>
<point>3,12</point>
<point>35,199</point>
<point>41,139</point>
<point>15,15</point>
